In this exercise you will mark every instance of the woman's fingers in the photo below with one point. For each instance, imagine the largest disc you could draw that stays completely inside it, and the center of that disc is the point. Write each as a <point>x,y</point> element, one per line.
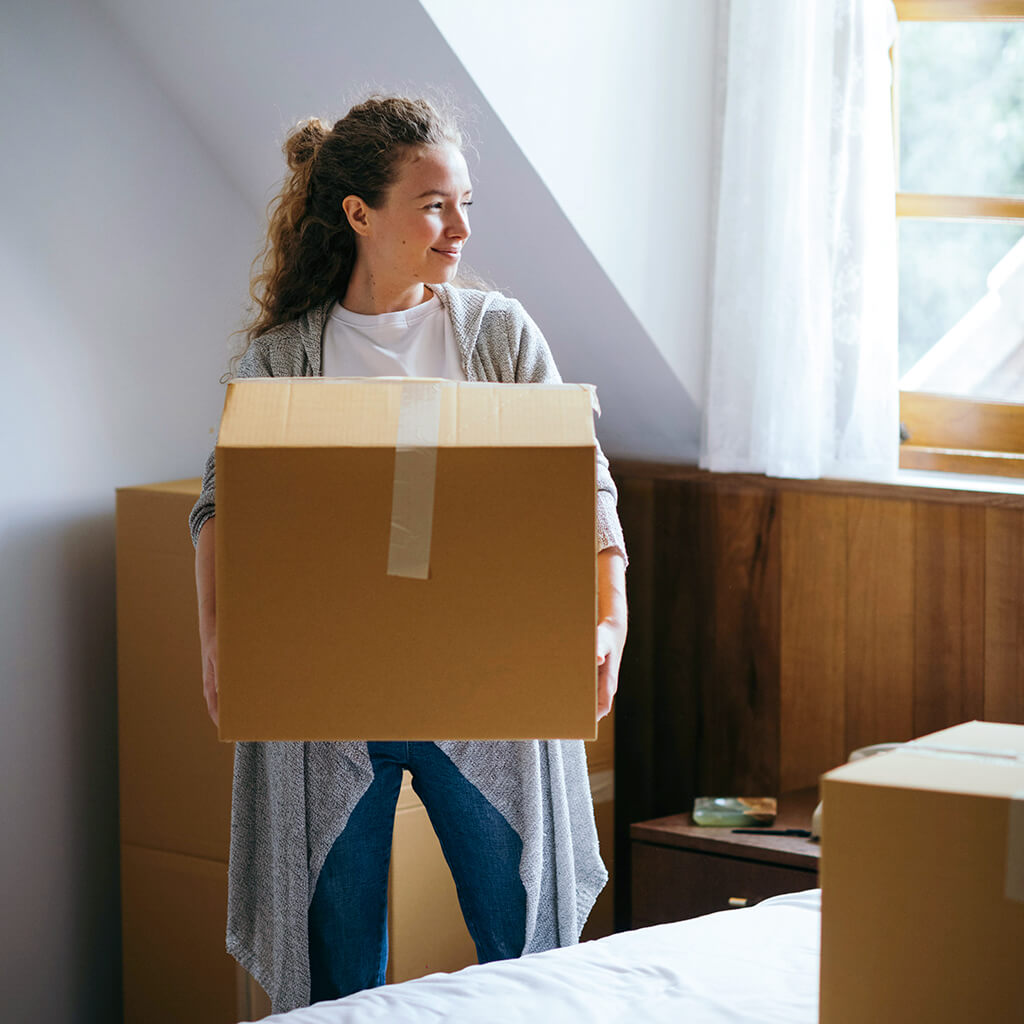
<point>608,655</point>
<point>210,681</point>
<point>606,687</point>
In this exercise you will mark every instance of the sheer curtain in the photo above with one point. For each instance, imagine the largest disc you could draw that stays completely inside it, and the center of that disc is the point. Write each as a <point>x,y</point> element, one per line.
<point>802,365</point>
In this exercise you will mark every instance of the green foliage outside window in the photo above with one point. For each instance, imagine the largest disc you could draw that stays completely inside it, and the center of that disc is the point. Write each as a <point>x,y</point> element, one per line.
<point>961,132</point>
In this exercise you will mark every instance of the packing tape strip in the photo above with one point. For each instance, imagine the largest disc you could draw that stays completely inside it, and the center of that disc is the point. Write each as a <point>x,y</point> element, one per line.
<point>1015,849</point>
<point>1013,882</point>
<point>412,495</point>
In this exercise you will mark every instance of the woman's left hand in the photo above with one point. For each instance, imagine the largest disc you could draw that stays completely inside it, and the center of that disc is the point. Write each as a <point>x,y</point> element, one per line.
<point>611,625</point>
<point>611,638</point>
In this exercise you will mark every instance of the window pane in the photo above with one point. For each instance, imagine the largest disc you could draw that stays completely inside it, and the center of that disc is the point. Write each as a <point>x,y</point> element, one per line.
<point>962,81</point>
<point>962,308</point>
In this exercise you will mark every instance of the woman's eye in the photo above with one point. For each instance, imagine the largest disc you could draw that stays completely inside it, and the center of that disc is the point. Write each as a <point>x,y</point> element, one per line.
<point>438,205</point>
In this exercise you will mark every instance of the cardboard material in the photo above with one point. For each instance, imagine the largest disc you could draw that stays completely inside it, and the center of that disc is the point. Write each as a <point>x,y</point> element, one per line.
<point>175,778</point>
<point>405,559</point>
<point>175,787</point>
<point>427,932</point>
<point>173,910</point>
<point>423,905</point>
<point>920,856</point>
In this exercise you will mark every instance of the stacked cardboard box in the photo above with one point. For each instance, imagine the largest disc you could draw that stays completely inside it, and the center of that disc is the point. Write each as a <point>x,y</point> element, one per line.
<point>175,778</point>
<point>175,783</point>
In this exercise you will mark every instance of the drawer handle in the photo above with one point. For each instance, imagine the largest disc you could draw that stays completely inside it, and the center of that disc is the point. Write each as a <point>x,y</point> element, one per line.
<point>738,901</point>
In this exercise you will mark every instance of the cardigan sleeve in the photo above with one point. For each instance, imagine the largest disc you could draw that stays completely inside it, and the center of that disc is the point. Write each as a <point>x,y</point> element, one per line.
<point>536,365</point>
<point>255,363</point>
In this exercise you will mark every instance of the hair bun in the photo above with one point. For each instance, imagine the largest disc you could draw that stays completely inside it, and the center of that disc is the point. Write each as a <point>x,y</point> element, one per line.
<point>304,142</point>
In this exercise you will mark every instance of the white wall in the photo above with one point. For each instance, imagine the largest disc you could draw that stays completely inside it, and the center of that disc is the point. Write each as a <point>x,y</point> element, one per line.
<point>273,67</point>
<point>123,261</point>
<point>611,101</point>
<point>141,143</point>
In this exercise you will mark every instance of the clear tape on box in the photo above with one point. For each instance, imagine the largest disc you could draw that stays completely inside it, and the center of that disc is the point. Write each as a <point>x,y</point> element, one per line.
<point>412,496</point>
<point>1014,878</point>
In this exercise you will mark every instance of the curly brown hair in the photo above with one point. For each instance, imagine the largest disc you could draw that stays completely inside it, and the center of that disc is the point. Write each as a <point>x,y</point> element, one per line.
<point>310,248</point>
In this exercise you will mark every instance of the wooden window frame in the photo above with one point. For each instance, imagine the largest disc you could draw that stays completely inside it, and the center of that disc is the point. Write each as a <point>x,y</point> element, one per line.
<point>942,432</point>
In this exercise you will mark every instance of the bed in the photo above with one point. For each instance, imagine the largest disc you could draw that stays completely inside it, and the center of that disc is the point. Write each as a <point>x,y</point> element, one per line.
<point>758,965</point>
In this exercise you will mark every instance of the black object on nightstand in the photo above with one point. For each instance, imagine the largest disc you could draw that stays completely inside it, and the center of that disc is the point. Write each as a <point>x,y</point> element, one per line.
<point>682,870</point>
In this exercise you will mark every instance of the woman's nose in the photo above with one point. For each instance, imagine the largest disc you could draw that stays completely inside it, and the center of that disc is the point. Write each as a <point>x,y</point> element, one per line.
<point>459,225</point>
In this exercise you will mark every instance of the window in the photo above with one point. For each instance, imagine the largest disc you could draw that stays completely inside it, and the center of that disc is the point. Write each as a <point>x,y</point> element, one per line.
<point>958,106</point>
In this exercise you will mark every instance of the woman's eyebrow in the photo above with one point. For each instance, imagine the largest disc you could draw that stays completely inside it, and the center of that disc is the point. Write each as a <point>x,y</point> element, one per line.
<point>438,192</point>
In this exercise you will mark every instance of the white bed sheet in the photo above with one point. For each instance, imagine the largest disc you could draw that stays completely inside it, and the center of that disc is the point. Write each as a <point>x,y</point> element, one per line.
<point>753,966</point>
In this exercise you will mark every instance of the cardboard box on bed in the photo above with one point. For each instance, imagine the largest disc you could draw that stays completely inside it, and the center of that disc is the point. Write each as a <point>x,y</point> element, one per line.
<point>922,873</point>
<point>317,641</point>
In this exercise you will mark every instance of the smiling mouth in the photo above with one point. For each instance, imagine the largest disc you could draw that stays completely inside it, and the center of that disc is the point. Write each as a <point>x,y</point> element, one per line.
<point>447,252</point>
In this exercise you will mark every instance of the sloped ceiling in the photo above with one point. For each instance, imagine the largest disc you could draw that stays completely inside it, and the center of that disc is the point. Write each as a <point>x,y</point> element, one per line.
<point>613,104</point>
<point>243,72</point>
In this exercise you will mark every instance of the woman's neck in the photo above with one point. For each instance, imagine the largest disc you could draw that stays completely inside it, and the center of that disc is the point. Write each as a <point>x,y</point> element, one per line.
<point>369,295</point>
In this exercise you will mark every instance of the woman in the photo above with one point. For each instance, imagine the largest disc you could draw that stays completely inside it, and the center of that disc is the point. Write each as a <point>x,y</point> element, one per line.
<point>363,245</point>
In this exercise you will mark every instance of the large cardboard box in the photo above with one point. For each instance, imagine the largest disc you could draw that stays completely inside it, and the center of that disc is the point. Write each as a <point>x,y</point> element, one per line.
<point>175,778</point>
<point>173,909</point>
<point>175,788</point>
<point>922,872</point>
<point>405,559</point>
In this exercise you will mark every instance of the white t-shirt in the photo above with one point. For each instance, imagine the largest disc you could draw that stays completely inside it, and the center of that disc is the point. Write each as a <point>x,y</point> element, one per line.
<point>417,342</point>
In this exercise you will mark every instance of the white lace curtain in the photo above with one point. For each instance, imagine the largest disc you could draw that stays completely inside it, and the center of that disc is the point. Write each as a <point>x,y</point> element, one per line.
<point>802,365</point>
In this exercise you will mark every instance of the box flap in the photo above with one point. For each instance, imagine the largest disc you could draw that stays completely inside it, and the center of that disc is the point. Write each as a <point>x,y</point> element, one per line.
<point>983,758</point>
<point>192,485</point>
<point>321,412</point>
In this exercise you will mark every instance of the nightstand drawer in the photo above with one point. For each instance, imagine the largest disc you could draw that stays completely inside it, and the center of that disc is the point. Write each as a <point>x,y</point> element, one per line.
<point>672,884</point>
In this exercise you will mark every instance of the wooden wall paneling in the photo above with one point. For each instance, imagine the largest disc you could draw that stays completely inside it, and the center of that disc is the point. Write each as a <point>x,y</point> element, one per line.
<point>897,611</point>
<point>813,637</point>
<point>634,702</point>
<point>1004,615</point>
<point>739,654</point>
<point>879,673</point>
<point>949,619</point>
<point>681,585</point>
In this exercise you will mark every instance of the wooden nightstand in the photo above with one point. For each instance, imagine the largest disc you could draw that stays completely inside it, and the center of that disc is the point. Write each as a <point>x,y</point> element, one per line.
<point>682,870</point>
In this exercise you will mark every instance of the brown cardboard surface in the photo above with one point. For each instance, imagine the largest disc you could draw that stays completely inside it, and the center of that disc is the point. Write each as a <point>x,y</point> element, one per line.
<point>916,922</point>
<point>173,910</point>
<point>176,795</point>
<point>316,641</point>
<point>425,923</point>
<point>601,751</point>
<point>252,1003</point>
<point>175,777</point>
<point>363,412</point>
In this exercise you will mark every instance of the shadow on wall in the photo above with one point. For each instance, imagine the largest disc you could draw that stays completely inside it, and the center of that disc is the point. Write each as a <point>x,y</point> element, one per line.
<point>522,239</point>
<point>59,750</point>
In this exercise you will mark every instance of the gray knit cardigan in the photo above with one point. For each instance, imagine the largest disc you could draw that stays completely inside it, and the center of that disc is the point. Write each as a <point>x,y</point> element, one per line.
<point>291,800</point>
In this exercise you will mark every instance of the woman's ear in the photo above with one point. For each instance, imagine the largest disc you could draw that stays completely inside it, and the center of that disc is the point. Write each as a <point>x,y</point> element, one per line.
<point>357,213</point>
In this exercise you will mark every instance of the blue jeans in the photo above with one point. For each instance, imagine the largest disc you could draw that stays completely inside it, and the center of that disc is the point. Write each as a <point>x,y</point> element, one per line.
<point>348,938</point>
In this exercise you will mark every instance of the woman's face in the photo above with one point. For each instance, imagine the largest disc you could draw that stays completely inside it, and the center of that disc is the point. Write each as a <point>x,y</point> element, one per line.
<point>418,233</point>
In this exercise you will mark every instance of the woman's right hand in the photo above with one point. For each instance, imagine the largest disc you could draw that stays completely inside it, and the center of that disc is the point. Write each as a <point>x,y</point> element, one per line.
<point>209,649</point>
<point>206,592</point>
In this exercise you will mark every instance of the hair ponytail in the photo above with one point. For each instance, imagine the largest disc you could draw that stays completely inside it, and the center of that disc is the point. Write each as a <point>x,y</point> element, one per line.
<point>308,250</point>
